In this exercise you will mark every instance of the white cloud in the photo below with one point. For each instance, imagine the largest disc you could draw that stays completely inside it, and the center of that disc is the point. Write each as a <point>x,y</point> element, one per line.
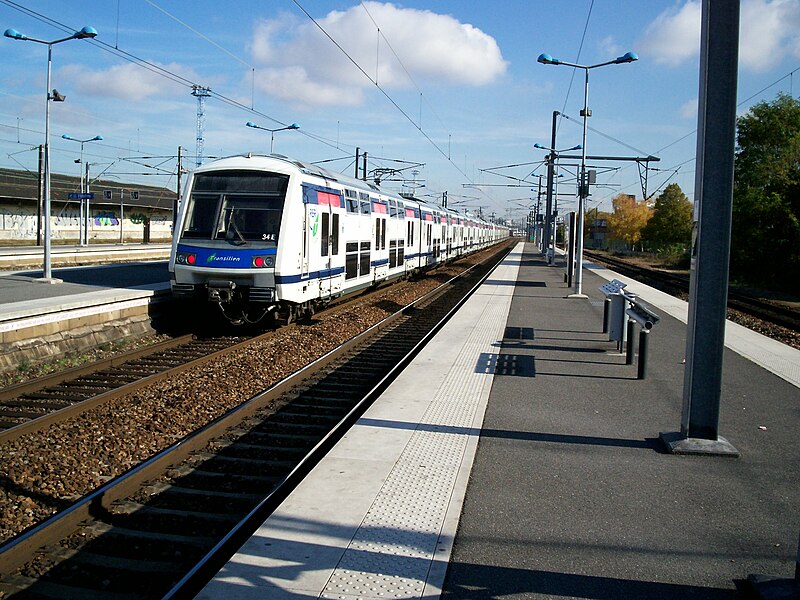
<point>432,47</point>
<point>127,81</point>
<point>769,30</point>
<point>610,47</point>
<point>689,109</point>
<point>674,35</point>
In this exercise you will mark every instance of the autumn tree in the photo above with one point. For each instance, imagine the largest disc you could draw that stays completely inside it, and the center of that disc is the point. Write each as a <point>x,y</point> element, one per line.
<point>628,219</point>
<point>671,224</point>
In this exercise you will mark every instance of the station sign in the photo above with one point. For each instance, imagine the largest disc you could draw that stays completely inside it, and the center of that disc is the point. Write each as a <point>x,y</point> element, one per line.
<point>81,195</point>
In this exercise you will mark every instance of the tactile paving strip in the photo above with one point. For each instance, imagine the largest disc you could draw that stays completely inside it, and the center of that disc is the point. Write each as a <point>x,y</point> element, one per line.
<point>391,553</point>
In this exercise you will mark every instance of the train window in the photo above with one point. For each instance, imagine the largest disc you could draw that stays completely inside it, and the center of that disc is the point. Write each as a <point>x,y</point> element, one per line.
<point>242,182</point>
<point>200,216</point>
<point>325,237</point>
<point>392,208</point>
<point>335,235</point>
<point>249,218</point>
<point>364,259</point>
<point>364,198</point>
<point>351,201</point>
<point>351,260</point>
<point>392,254</point>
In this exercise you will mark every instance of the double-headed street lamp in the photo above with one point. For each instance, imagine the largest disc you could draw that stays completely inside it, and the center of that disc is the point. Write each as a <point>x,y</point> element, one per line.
<point>583,184</point>
<point>83,231</point>
<point>86,32</point>
<point>96,138</point>
<point>272,131</point>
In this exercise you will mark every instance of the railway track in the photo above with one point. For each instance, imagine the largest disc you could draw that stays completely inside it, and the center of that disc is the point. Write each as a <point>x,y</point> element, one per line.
<point>163,528</point>
<point>33,405</point>
<point>678,285</point>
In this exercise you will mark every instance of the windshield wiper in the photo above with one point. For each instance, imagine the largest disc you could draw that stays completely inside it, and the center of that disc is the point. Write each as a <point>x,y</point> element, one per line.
<point>232,225</point>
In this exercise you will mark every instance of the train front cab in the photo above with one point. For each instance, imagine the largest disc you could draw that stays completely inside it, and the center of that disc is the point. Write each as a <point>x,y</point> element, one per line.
<point>225,247</point>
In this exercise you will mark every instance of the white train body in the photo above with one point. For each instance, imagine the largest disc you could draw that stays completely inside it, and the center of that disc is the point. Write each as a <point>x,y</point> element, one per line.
<point>266,233</point>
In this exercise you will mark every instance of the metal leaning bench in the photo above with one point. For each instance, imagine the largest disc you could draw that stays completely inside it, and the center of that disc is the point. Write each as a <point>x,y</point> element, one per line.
<point>639,313</point>
<point>619,305</point>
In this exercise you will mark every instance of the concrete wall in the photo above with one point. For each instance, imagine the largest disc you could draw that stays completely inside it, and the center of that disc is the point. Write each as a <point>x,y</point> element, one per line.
<point>18,223</point>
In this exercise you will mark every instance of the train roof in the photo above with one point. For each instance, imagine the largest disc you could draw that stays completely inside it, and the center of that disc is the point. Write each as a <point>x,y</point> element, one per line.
<point>318,171</point>
<point>305,167</point>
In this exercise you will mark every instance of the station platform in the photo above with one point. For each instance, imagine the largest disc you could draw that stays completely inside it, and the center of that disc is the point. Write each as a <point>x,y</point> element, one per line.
<point>87,306</point>
<point>518,456</point>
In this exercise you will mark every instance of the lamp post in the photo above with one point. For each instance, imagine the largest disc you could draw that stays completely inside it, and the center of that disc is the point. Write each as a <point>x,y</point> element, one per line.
<point>583,184</point>
<point>272,131</point>
<point>83,232</point>
<point>549,230</point>
<point>86,32</point>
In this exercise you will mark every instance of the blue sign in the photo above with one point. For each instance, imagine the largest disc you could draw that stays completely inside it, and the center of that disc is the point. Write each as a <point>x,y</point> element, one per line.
<point>81,196</point>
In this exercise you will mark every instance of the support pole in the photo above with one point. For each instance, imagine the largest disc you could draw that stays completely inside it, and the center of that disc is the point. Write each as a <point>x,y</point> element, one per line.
<point>629,344</point>
<point>716,133</point>
<point>644,338</point>
<point>548,206</point>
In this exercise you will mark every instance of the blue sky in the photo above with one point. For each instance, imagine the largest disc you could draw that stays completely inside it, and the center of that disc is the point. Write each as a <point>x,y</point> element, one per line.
<point>453,85</point>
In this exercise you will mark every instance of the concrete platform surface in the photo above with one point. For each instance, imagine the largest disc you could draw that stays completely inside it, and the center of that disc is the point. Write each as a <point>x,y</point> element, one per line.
<point>571,493</point>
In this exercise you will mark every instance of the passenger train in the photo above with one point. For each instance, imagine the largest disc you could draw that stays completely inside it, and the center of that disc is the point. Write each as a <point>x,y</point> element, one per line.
<point>268,235</point>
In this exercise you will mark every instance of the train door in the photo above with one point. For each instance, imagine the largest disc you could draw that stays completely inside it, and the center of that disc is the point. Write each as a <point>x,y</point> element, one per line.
<point>325,252</point>
<point>309,218</point>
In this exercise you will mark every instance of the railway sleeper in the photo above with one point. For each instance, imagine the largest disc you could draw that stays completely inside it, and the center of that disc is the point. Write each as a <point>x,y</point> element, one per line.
<point>20,586</point>
<point>106,531</point>
<point>51,404</point>
<point>277,439</point>
<point>199,479</point>
<point>265,452</point>
<point>106,561</point>
<point>128,508</point>
<point>290,415</point>
<point>193,522</point>
<point>246,466</point>
<point>290,428</point>
<point>344,384</point>
<point>86,391</point>
<point>44,395</point>
<point>19,413</point>
<point>329,402</point>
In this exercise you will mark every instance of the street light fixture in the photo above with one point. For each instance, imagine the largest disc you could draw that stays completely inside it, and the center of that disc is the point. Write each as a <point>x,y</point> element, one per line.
<point>272,131</point>
<point>583,185</point>
<point>86,32</point>
<point>83,232</point>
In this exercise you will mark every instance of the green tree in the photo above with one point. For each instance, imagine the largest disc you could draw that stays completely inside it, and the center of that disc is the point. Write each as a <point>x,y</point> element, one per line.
<point>628,219</point>
<point>765,244</point>
<point>671,224</point>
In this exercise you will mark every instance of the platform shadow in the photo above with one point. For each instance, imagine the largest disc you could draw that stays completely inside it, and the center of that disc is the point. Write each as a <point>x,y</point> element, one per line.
<point>479,582</point>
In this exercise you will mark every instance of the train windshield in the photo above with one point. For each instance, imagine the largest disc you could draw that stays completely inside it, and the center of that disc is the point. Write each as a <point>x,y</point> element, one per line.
<point>239,207</point>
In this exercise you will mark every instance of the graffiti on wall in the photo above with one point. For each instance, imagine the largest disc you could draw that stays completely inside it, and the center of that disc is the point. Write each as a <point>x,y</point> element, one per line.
<point>20,226</point>
<point>106,218</point>
<point>20,223</point>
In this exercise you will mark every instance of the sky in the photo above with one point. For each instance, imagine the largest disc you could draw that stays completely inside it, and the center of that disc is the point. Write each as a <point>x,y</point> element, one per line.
<point>443,95</point>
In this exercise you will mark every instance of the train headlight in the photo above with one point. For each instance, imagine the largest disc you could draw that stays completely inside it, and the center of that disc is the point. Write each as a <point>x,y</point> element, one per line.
<point>185,258</point>
<point>263,261</point>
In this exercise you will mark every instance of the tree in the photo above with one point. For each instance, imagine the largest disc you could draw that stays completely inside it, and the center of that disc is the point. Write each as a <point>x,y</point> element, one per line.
<point>765,242</point>
<point>628,218</point>
<point>671,223</point>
